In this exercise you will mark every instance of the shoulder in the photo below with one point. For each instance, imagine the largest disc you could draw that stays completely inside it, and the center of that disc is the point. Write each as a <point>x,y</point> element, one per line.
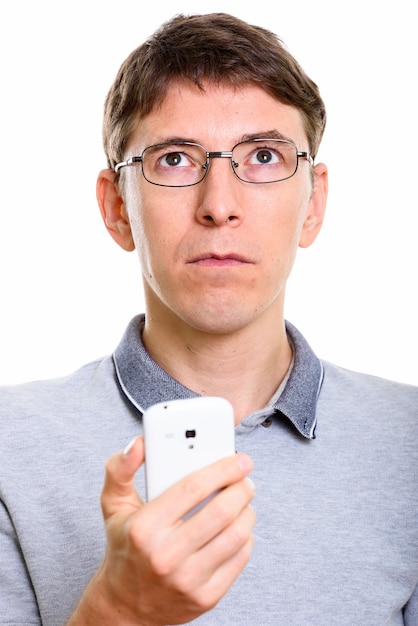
<point>372,400</point>
<point>94,383</point>
<point>341,379</point>
<point>75,422</point>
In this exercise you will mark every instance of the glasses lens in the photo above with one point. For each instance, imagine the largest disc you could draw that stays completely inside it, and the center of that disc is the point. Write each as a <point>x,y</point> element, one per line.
<point>264,160</point>
<point>174,164</point>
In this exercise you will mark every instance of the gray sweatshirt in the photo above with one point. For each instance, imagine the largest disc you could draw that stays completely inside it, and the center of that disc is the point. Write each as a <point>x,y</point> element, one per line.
<point>335,468</point>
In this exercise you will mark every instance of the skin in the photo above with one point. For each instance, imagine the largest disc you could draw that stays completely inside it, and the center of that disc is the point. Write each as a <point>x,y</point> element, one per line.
<point>215,259</point>
<point>158,568</point>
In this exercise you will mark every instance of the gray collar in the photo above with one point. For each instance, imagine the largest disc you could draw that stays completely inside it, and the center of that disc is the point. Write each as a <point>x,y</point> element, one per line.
<point>144,382</point>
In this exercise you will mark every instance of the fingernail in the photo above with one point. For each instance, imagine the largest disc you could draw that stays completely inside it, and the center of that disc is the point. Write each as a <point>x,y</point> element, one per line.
<point>251,483</point>
<point>129,447</point>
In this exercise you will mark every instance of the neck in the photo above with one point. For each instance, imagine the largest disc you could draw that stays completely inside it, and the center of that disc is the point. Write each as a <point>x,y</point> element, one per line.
<point>245,367</point>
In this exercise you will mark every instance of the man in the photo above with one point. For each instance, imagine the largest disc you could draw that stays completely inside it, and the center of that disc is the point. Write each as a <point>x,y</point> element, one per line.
<point>211,129</point>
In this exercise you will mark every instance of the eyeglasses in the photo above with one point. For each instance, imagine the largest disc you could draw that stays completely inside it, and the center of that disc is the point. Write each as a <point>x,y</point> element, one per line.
<point>184,164</point>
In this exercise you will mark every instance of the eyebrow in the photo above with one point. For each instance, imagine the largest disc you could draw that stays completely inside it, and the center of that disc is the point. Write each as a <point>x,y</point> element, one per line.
<point>267,134</point>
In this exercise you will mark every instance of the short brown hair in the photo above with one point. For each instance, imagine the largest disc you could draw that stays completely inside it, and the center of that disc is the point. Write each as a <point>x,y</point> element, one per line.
<point>217,47</point>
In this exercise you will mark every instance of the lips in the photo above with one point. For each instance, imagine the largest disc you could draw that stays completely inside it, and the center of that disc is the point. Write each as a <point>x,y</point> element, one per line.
<point>211,259</point>
<point>220,257</point>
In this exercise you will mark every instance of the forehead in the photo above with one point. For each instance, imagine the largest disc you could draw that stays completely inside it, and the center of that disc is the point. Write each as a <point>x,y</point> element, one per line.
<point>217,116</point>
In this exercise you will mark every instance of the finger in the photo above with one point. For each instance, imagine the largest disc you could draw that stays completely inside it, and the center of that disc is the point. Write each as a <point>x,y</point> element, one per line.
<point>119,491</point>
<point>198,486</point>
<point>225,575</point>
<point>205,578</point>
<point>215,518</point>
<point>183,546</point>
<point>226,544</point>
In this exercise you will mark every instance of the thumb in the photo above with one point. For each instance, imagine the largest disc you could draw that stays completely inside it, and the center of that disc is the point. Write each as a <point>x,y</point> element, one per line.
<point>119,493</point>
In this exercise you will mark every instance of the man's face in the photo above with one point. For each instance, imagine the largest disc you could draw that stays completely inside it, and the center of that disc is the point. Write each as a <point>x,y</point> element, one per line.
<point>216,256</point>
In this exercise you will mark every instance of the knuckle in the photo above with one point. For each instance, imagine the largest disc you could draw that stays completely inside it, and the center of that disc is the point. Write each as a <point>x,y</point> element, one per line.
<point>160,564</point>
<point>163,559</point>
<point>237,536</point>
<point>205,600</point>
<point>139,541</point>
<point>239,533</point>
<point>140,534</point>
<point>186,584</point>
<point>193,488</point>
<point>220,514</point>
<point>202,595</point>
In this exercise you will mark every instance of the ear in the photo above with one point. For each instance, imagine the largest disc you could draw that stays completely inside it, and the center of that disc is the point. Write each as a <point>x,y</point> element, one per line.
<point>316,208</point>
<point>113,209</point>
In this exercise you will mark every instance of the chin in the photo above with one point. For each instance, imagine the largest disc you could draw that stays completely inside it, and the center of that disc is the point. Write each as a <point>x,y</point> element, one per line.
<point>218,321</point>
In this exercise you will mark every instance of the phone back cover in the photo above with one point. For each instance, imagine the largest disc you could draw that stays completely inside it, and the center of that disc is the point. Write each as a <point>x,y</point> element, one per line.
<point>182,436</point>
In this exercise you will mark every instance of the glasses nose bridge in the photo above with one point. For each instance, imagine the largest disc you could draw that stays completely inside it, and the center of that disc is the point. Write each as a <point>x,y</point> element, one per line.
<point>219,154</point>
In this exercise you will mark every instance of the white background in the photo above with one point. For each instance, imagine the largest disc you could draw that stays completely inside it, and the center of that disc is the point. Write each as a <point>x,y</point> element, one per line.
<point>67,291</point>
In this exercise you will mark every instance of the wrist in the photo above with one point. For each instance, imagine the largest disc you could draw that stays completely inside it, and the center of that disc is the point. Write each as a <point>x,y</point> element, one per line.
<point>99,606</point>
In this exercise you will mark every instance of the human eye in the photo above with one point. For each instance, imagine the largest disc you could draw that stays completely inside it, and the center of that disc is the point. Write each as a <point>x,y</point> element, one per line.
<point>264,160</point>
<point>174,165</point>
<point>172,156</point>
<point>268,153</point>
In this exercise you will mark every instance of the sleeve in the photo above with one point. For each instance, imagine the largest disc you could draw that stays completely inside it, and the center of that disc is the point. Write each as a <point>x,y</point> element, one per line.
<point>411,610</point>
<point>17,598</point>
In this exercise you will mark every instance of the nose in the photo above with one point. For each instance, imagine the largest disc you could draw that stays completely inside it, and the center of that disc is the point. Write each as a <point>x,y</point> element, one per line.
<point>220,194</point>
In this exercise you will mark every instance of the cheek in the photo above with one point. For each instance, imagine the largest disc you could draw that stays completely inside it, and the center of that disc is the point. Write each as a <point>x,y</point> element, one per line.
<point>159,216</point>
<point>147,237</point>
<point>286,227</point>
<point>154,233</point>
<point>141,225</point>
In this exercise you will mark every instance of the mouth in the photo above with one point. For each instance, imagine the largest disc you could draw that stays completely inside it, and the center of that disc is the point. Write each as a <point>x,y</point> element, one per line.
<point>210,259</point>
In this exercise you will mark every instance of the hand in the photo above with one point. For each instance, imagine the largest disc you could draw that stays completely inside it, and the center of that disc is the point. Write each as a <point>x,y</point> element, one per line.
<point>160,568</point>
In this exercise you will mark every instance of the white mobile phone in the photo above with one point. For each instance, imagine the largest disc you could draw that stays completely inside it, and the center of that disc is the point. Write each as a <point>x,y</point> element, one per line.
<point>182,436</point>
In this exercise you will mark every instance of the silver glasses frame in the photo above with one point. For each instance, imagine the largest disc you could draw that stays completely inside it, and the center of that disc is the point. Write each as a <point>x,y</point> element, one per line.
<point>222,154</point>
